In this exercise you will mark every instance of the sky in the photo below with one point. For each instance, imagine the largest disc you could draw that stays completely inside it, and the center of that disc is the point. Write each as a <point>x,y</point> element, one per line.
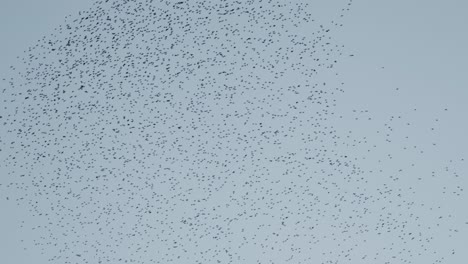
<point>400,117</point>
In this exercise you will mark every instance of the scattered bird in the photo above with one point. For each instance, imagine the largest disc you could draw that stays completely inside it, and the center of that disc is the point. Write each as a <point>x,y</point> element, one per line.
<point>203,132</point>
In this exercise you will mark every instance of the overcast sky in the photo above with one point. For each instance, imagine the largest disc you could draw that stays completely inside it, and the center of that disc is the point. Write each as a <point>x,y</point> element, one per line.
<point>401,58</point>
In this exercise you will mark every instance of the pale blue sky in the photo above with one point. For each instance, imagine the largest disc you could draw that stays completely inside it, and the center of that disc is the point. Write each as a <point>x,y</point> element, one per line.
<point>407,55</point>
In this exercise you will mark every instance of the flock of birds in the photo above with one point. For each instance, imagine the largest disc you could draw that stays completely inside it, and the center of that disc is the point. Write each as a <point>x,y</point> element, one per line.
<point>203,132</point>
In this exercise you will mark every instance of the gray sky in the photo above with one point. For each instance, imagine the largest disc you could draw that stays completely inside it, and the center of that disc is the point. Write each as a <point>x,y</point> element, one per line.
<point>408,60</point>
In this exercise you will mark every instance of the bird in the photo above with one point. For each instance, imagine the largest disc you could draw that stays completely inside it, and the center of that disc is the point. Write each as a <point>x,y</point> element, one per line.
<point>153,131</point>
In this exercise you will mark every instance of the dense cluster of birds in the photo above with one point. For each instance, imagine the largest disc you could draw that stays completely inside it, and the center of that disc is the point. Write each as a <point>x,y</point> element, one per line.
<point>203,132</point>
